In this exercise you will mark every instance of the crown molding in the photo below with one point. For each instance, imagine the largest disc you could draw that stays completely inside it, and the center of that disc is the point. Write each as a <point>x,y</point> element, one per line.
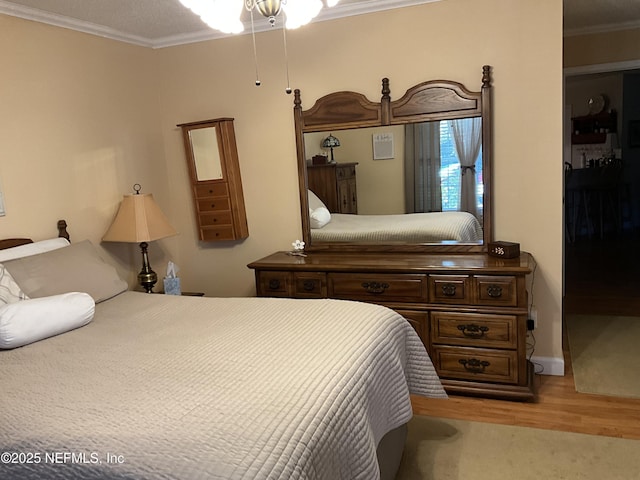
<point>612,27</point>
<point>339,11</point>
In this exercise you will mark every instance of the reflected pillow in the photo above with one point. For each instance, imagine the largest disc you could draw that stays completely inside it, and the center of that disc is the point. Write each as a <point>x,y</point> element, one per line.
<point>314,201</point>
<point>319,217</point>
<point>10,291</point>
<point>26,322</point>
<point>75,268</point>
<point>33,248</point>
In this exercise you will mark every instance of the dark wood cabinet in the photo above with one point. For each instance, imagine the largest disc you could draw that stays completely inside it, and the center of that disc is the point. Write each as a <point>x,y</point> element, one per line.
<point>593,128</point>
<point>469,310</point>
<point>335,185</point>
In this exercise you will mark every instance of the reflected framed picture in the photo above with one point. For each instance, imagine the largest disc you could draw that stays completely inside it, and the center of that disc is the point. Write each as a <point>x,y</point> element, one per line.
<point>634,133</point>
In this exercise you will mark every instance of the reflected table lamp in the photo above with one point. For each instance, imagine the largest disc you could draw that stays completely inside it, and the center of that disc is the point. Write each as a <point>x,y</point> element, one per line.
<point>331,142</point>
<point>140,220</point>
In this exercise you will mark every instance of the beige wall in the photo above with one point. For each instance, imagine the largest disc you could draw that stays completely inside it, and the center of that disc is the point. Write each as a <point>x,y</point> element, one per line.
<point>79,127</point>
<point>595,49</point>
<point>133,137</point>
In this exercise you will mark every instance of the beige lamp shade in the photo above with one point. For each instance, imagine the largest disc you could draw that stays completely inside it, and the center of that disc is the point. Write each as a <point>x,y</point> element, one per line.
<point>139,219</point>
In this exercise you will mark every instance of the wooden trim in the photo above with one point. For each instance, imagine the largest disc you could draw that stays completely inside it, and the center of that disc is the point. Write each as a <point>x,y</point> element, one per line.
<point>426,101</point>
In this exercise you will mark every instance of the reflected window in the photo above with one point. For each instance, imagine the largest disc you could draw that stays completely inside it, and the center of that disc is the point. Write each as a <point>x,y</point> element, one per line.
<point>450,172</point>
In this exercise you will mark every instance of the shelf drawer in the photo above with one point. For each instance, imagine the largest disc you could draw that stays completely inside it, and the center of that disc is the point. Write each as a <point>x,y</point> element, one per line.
<point>479,364</point>
<point>450,289</point>
<point>496,290</point>
<point>273,284</point>
<point>378,287</point>
<point>473,329</point>
<point>217,189</point>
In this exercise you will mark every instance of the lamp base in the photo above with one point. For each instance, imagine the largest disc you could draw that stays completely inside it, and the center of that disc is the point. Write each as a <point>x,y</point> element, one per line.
<point>147,278</point>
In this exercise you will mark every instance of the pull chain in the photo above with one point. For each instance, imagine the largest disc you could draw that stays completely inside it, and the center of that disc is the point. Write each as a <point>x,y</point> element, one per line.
<point>286,57</point>
<point>255,51</point>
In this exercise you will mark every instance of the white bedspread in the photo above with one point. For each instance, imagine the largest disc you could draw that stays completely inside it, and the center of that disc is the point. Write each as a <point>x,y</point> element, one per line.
<point>207,388</point>
<point>410,227</point>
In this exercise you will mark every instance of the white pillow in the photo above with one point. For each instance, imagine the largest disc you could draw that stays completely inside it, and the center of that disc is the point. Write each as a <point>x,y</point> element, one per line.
<point>32,248</point>
<point>10,291</point>
<point>314,201</point>
<point>31,320</point>
<point>319,217</point>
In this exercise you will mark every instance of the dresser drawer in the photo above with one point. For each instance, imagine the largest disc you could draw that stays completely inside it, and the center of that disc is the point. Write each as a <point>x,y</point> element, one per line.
<point>419,321</point>
<point>450,289</point>
<point>208,234</point>
<point>496,290</point>
<point>218,189</point>
<point>378,287</point>
<point>216,218</point>
<point>474,329</point>
<point>273,284</point>
<point>310,285</point>
<point>213,204</point>
<point>345,172</point>
<point>479,364</point>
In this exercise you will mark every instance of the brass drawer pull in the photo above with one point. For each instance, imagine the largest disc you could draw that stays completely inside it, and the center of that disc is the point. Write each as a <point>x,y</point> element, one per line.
<point>309,285</point>
<point>494,291</point>
<point>274,284</point>
<point>472,330</point>
<point>449,289</point>
<point>375,288</point>
<point>474,365</point>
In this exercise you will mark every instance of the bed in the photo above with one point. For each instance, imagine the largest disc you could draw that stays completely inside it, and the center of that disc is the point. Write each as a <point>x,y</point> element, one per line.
<point>440,227</point>
<point>148,386</point>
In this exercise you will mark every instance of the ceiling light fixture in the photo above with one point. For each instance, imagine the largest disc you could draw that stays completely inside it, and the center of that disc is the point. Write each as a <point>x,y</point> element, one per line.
<point>224,15</point>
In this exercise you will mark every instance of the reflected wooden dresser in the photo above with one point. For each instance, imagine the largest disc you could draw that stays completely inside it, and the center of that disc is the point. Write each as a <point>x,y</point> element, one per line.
<point>335,185</point>
<point>470,310</point>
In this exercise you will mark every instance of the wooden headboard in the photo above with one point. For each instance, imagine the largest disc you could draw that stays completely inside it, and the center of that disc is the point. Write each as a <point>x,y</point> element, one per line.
<point>16,242</point>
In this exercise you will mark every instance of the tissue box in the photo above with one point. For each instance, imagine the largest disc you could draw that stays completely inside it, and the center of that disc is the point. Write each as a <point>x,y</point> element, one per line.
<point>172,286</point>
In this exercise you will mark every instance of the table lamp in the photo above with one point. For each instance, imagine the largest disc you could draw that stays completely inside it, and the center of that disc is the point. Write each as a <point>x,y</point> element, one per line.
<point>331,142</point>
<point>139,219</point>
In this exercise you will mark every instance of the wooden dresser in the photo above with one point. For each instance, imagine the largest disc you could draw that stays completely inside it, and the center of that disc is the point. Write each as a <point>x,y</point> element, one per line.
<point>335,185</point>
<point>470,310</point>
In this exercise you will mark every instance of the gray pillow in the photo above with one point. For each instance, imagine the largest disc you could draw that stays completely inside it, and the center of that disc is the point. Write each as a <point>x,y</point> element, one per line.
<point>75,268</point>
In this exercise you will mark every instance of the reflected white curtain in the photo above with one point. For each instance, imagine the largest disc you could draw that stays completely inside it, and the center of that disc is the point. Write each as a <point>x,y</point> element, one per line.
<point>422,168</point>
<point>467,135</point>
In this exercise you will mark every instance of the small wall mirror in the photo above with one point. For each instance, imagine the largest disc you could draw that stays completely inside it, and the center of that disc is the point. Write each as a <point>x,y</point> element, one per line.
<point>206,153</point>
<point>412,174</point>
<point>214,170</point>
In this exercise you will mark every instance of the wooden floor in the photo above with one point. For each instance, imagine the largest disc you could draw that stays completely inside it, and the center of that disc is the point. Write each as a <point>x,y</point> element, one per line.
<point>601,277</point>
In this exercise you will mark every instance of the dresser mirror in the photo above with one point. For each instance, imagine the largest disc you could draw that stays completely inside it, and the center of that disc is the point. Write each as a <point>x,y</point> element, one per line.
<point>214,173</point>
<point>434,142</point>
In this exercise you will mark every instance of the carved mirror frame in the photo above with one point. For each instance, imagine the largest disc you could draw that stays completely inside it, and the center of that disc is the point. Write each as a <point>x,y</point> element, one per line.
<point>427,101</point>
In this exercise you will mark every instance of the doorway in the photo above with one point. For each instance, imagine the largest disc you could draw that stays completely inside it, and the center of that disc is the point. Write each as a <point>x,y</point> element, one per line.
<point>601,258</point>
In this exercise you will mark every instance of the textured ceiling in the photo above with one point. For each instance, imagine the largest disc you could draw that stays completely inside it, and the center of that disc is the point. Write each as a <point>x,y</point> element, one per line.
<point>158,23</point>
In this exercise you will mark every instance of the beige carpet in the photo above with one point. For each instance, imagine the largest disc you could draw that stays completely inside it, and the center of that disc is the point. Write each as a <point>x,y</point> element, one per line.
<point>444,449</point>
<point>605,354</point>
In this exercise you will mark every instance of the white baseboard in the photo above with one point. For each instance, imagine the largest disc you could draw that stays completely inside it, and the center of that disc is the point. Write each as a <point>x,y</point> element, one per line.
<point>548,365</point>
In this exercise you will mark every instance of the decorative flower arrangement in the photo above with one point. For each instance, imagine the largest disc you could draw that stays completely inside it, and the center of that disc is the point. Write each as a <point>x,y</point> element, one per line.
<point>298,248</point>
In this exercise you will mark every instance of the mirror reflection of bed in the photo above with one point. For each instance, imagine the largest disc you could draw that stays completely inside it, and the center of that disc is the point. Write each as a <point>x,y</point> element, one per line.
<point>430,227</point>
<point>194,387</point>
